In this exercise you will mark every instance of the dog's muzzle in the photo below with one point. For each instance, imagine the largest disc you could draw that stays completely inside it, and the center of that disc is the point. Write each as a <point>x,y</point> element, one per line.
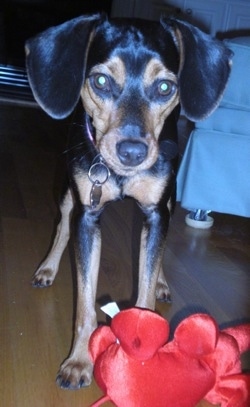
<point>131,152</point>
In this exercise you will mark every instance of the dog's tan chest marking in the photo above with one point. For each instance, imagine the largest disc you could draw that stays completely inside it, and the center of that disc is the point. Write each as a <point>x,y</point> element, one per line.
<point>145,188</point>
<point>110,190</point>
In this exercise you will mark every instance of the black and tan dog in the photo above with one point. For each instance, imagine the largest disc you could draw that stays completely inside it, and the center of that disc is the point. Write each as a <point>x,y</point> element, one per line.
<point>130,77</point>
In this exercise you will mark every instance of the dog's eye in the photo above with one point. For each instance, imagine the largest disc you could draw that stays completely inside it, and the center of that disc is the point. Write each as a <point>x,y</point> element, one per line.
<point>165,88</point>
<point>101,82</point>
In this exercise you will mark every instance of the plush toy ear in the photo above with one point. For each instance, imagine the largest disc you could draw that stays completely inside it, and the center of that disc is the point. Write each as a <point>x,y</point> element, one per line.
<point>100,340</point>
<point>55,61</point>
<point>140,332</point>
<point>241,333</point>
<point>197,335</point>
<point>204,68</point>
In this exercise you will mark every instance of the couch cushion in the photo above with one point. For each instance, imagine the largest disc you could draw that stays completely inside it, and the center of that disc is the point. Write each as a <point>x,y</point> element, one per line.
<point>214,173</point>
<point>227,120</point>
<point>237,93</point>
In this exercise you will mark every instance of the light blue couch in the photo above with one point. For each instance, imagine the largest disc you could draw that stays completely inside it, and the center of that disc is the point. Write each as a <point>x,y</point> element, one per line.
<point>214,174</point>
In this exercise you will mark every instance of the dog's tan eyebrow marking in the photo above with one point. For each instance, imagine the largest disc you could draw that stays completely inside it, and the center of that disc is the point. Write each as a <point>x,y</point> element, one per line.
<point>114,67</point>
<point>156,70</point>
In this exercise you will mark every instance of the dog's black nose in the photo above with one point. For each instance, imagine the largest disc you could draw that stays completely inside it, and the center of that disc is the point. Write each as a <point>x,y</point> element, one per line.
<point>131,152</point>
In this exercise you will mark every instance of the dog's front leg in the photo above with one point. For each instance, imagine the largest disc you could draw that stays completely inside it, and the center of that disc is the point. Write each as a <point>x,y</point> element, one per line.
<point>48,269</point>
<point>153,239</point>
<point>76,371</point>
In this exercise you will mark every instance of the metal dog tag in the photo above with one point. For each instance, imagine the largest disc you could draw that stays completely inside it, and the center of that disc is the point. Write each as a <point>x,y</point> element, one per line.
<point>98,174</point>
<point>95,194</point>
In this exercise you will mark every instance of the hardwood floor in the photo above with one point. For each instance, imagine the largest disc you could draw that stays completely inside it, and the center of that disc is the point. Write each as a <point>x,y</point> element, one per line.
<point>207,269</point>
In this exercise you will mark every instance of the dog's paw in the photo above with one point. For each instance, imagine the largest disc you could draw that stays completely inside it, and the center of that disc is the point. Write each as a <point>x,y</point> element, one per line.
<point>163,293</point>
<point>75,374</point>
<point>43,278</point>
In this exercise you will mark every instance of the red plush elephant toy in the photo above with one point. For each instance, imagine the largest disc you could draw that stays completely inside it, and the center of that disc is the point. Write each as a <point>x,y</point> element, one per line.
<point>135,366</point>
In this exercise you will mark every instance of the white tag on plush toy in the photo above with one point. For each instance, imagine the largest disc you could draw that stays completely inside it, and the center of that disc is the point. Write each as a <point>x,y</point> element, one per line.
<point>111,309</point>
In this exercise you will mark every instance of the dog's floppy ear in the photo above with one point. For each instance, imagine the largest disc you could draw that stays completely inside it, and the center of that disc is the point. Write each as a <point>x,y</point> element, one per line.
<point>204,68</point>
<point>55,61</point>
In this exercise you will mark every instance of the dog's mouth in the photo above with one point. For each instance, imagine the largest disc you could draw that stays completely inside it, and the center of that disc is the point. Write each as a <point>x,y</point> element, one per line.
<point>125,156</point>
<point>128,156</point>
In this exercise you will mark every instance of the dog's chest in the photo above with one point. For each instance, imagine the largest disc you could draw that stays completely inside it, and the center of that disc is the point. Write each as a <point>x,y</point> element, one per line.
<point>146,188</point>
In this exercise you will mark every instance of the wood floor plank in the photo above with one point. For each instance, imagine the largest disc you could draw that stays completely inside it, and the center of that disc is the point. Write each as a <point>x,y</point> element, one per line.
<point>227,284</point>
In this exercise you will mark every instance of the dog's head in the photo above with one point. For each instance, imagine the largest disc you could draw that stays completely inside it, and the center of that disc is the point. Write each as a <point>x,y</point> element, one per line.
<point>130,75</point>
